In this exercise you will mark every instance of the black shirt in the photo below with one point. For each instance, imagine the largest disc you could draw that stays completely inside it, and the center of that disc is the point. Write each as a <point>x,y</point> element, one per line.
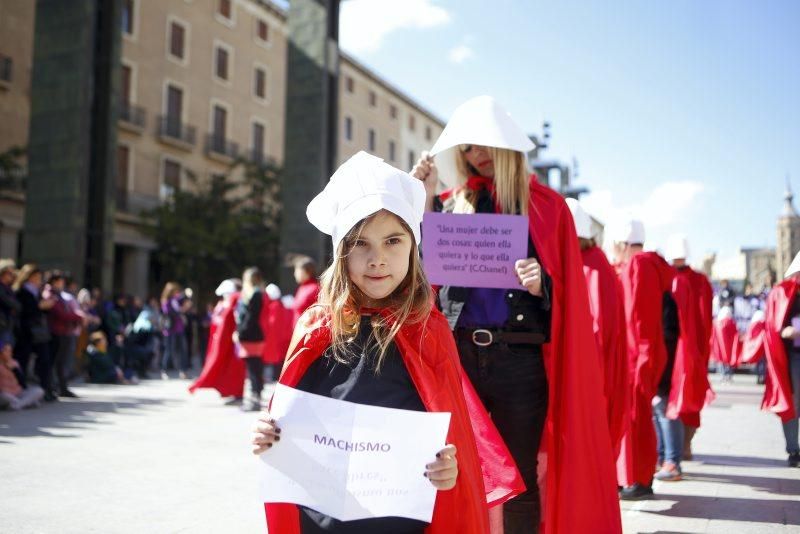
<point>358,382</point>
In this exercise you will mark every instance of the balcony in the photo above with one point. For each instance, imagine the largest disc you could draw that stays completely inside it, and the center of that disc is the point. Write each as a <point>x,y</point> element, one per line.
<point>172,131</point>
<point>217,147</point>
<point>6,71</point>
<point>132,118</point>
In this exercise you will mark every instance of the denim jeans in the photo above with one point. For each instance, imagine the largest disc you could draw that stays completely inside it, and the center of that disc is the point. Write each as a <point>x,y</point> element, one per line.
<point>512,384</point>
<point>790,429</point>
<point>175,349</point>
<point>669,434</point>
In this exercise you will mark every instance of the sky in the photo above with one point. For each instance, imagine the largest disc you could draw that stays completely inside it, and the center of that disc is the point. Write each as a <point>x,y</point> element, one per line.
<point>684,113</point>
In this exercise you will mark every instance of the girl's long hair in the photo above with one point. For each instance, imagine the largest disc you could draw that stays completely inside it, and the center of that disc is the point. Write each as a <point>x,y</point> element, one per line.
<point>511,181</point>
<point>410,302</point>
<point>251,281</point>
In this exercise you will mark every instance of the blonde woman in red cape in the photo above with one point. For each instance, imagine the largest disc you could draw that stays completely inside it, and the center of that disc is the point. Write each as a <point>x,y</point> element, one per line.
<point>782,347</point>
<point>530,354</point>
<point>374,338</point>
<point>608,321</point>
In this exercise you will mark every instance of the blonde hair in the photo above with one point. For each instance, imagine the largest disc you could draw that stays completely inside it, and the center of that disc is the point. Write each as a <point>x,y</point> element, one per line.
<point>410,302</point>
<point>169,289</point>
<point>251,281</point>
<point>24,274</point>
<point>511,181</point>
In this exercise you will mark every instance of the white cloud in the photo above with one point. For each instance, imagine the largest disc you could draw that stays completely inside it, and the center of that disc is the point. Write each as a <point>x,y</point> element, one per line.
<point>364,24</point>
<point>459,54</point>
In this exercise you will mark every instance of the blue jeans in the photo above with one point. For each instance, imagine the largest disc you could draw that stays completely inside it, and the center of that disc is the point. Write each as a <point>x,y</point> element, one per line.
<point>175,349</point>
<point>790,429</point>
<point>669,434</point>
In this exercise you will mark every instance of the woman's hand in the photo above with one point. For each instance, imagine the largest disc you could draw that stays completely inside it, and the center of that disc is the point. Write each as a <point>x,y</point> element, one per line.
<point>529,273</point>
<point>790,333</point>
<point>444,471</point>
<point>426,170</point>
<point>235,336</point>
<point>265,433</point>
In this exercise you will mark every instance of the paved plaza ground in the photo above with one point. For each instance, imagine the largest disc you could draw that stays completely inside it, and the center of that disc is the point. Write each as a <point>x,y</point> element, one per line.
<point>154,459</point>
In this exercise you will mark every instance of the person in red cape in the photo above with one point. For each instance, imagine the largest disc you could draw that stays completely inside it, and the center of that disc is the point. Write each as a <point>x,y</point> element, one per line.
<point>529,351</point>
<point>651,319</point>
<point>725,342</point>
<point>305,274</point>
<point>753,350</point>
<point>375,339</point>
<point>608,321</point>
<point>782,347</point>
<point>276,323</point>
<point>691,390</point>
<point>223,369</point>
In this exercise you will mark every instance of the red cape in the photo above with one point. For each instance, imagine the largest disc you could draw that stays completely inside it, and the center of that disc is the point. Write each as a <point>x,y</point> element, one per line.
<point>703,296</point>
<point>754,340</point>
<point>689,390</point>
<point>645,279</point>
<point>487,473</point>
<point>778,391</point>
<point>305,296</point>
<point>223,370</point>
<point>578,476</point>
<point>276,323</point>
<point>608,314</point>
<point>725,344</point>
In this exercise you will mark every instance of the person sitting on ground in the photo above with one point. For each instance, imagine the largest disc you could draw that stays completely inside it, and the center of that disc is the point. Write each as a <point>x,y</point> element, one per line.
<point>12,395</point>
<point>102,368</point>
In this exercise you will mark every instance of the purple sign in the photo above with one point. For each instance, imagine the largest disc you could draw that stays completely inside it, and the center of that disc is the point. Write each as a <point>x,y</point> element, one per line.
<point>476,250</point>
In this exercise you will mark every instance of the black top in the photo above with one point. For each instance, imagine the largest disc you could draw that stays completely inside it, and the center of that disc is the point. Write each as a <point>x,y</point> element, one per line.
<point>247,318</point>
<point>358,382</point>
<point>794,311</point>
<point>671,327</point>
<point>534,311</point>
<point>9,308</point>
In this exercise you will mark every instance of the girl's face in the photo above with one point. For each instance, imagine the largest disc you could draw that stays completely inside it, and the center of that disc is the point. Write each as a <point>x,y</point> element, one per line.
<point>378,260</point>
<point>479,157</point>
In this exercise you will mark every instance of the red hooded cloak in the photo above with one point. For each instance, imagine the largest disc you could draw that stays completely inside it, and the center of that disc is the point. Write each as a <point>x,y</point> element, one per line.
<point>276,323</point>
<point>487,472</point>
<point>223,370</point>
<point>725,344</point>
<point>778,390</point>
<point>645,279</point>
<point>754,339</point>
<point>306,295</point>
<point>703,296</point>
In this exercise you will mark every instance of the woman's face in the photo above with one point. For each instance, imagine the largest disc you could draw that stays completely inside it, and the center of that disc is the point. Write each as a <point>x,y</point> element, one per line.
<point>379,258</point>
<point>479,157</point>
<point>35,279</point>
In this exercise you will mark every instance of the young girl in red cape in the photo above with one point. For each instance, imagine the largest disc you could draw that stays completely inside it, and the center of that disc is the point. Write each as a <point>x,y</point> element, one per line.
<point>529,350</point>
<point>725,343</point>
<point>781,341</point>
<point>223,369</point>
<point>374,338</point>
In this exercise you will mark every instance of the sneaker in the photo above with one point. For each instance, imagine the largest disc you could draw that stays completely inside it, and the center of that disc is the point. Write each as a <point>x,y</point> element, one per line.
<point>164,375</point>
<point>182,375</point>
<point>637,492</point>
<point>251,406</point>
<point>50,397</point>
<point>67,393</point>
<point>669,472</point>
<point>234,401</point>
<point>794,459</point>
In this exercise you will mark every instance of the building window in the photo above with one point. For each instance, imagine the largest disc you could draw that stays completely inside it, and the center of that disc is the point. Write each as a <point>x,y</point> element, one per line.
<point>258,142</point>
<point>225,9</point>
<point>428,133</point>
<point>172,178</point>
<point>262,30</point>
<point>392,151</point>
<point>219,124</point>
<point>348,128</point>
<point>128,7</point>
<point>412,159</point>
<point>127,82</point>
<point>177,40</point>
<point>123,166</point>
<point>221,63</point>
<point>349,84</point>
<point>412,123</point>
<point>373,99</point>
<point>174,111</point>
<point>371,140</point>
<point>392,111</point>
<point>260,83</point>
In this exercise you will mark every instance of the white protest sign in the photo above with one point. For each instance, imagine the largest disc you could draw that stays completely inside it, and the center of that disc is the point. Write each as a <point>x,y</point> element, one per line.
<point>351,461</point>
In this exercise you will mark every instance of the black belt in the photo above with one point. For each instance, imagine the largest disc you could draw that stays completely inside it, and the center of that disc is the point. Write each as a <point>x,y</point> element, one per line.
<point>483,337</point>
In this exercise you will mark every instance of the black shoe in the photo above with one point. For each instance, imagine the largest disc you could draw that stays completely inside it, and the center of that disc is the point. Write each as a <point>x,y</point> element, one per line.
<point>67,393</point>
<point>637,492</point>
<point>50,397</point>
<point>794,459</point>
